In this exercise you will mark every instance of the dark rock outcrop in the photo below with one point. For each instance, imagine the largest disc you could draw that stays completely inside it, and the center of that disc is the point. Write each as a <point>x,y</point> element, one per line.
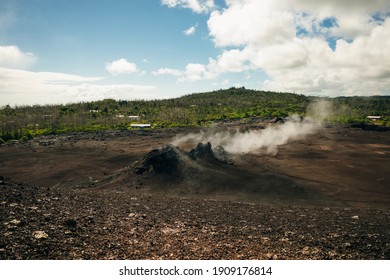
<point>202,151</point>
<point>163,160</point>
<point>166,160</point>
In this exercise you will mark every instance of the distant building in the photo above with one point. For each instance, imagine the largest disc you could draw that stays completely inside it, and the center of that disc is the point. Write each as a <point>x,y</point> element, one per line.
<point>133,117</point>
<point>140,125</point>
<point>373,118</point>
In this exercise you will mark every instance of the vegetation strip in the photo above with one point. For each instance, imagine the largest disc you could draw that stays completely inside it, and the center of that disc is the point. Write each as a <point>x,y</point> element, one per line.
<point>200,109</point>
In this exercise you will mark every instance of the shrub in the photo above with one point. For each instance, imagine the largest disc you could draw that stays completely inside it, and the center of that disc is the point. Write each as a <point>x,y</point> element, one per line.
<point>24,139</point>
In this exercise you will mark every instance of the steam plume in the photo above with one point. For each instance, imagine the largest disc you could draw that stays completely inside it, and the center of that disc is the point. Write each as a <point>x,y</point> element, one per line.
<point>266,140</point>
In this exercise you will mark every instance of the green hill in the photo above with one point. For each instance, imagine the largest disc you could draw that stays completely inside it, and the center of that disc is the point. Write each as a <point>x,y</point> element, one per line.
<point>198,109</point>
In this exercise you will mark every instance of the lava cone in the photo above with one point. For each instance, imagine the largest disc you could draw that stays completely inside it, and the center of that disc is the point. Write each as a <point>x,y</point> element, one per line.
<point>167,159</point>
<point>164,160</point>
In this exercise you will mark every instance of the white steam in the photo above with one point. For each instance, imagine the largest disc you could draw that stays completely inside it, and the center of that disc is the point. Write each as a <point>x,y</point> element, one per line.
<point>265,140</point>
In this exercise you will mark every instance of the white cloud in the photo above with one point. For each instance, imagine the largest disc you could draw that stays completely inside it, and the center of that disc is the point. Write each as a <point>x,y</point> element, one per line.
<point>121,66</point>
<point>192,72</point>
<point>168,71</point>
<point>229,61</point>
<point>21,87</point>
<point>250,21</point>
<point>13,57</point>
<point>355,68</point>
<point>353,17</point>
<point>290,40</point>
<point>196,72</point>
<point>90,92</point>
<point>190,31</point>
<point>197,6</point>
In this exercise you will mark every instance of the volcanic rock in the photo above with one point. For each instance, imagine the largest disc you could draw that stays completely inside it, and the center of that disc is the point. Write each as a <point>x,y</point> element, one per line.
<point>278,120</point>
<point>211,211</point>
<point>164,160</point>
<point>205,152</point>
<point>133,225</point>
<point>202,151</point>
<point>222,156</point>
<point>70,223</point>
<point>40,234</point>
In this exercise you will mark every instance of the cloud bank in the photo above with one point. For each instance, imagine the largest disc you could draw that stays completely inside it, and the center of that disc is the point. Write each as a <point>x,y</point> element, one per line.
<point>56,88</point>
<point>335,47</point>
<point>20,86</point>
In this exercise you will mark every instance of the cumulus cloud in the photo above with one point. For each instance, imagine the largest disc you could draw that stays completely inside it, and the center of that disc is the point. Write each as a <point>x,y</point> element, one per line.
<point>335,47</point>
<point>353,17</point>
<point>21,87</point>
<point>121,66</point>
<point>332,47</point>
<point>13,57</point>
<point>196,71</point>
<point>248,21</point>
<point>197,6</point>
<point>229,61</point>
<point>352,68</point>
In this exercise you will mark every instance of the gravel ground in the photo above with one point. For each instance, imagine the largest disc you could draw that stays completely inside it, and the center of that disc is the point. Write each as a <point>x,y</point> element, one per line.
<point>120,223</point>
<point>325,196</point>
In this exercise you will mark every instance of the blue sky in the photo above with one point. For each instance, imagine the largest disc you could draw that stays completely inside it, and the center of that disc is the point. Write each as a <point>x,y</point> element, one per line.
<point>82,35</point>
<point>60,51</point>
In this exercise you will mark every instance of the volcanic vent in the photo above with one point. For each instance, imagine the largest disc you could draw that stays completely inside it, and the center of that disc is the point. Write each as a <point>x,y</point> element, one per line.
<point>209,172</point>
<point>171,160</point>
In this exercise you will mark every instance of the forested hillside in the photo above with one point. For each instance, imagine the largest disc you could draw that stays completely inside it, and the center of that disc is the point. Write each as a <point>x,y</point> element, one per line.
<point>199,109</point>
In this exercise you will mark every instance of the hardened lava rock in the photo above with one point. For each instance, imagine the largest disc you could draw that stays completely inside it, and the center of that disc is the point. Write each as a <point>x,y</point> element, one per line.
<point>166,159</point>
<point>163,160</point>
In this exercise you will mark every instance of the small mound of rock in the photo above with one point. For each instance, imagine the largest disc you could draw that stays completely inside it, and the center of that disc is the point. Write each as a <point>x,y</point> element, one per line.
<point>163,160</point>
<point>205,152</point>
<point>202,151</point>
<point>167,159</point>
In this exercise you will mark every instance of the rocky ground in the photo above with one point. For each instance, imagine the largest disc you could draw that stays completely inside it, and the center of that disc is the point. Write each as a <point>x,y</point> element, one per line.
<point>63,202</point>
<point>51,223</point>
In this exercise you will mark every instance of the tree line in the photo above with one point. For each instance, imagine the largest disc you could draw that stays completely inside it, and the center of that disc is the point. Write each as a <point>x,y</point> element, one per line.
<point>198,109</point>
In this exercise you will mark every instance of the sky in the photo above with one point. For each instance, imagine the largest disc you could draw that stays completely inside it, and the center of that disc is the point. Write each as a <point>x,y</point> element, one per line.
<point>64,51</point>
